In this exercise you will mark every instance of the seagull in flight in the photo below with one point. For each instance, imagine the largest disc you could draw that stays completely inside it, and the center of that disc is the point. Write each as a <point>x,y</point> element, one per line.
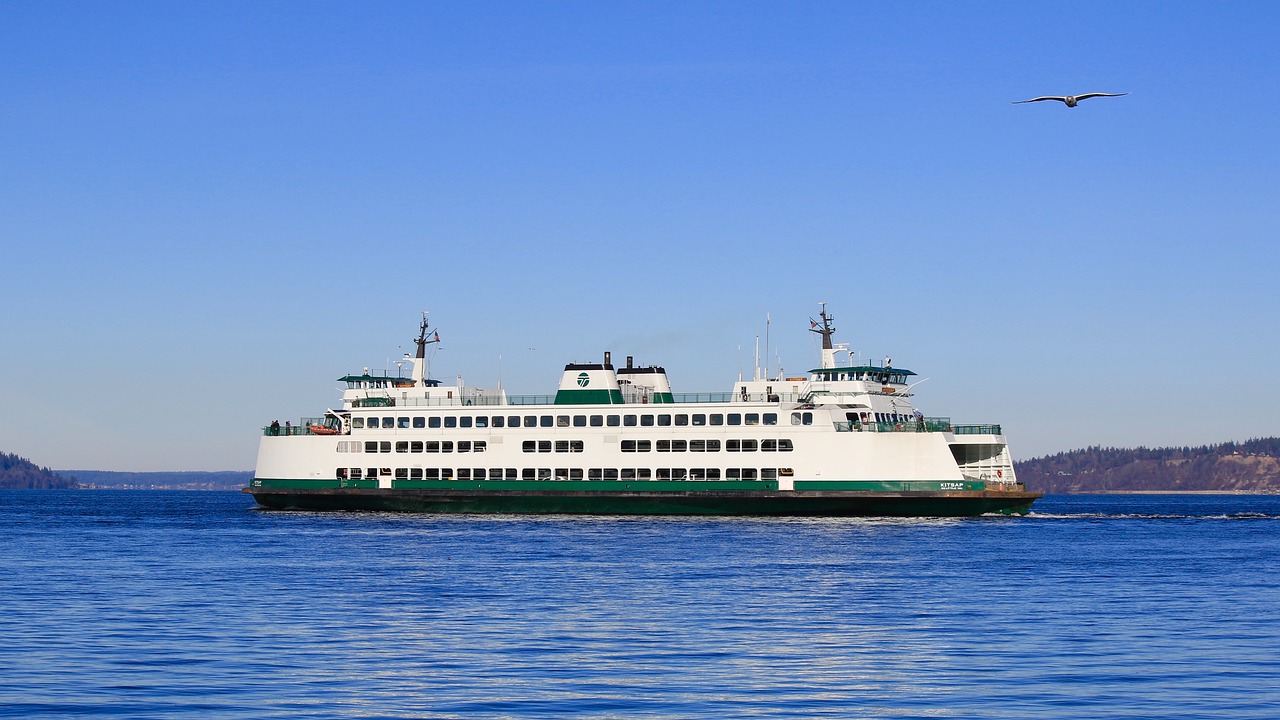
<point>1070,100</point>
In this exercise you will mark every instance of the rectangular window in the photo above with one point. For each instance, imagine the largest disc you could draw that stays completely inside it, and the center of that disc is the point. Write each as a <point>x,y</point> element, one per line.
<point>682,420</point>
<point>575,446</point>
<point>562,446</point>
<point>498,421</point>
<point>644,474</point>
<point>433,422</point>
<point>717,419</point>
<point>529,474</point>
<point>628,420</point>
<point>402,473</point>
<point>431,474</point>
<point>342,473</point>
<point>785,446</point>
<point>753,418</point>
<point>611,473</point>
<point>795,418</point>
<point>464,474</point>
<point>479,446</point>
<point>678,445</point>
<point>357,423</point>
<point>530,421</point>
<point>732,445</point>
<point>433,446</point>
<point>371,446</point>
<point>713,473</point>
<point>415,446</point>
<point>544,473</point>
<point>562,473</point>
<point>735,419</point>
<point>387,424</point>
<point>575,473</point>
<point>713,446</point>
<point>768,473</point>
<point>446,473</point>
<point>614,421</point>
<point>699,420</point>
<point>748,473</point>
<point>446,446</point>
<point>384,446</point>
<point>466,422</point>
<point>402,446</point>
<point>403,422</point>
<point>748,446</point>
<point>768,446</point>
<point>562,421</point>
<point>771,418</point>
<point>627,474</point>
<point>544,446</point>
<point>415,473</point>
<point>419,422</point>
<point>464,446</point>
<point>664,446</point>
<point>514,421</point>
<point>546,421</point>
<point>644,446</point>
<point>646,421</point>
<point>597,421</point>
<point>732,474</point>
<point>664,421</point>
<point>451,422</point>
<point>373,422</point>
<point>629,446</point>
<point>697,446</point>
<point>477,473</point>
<point>579,420</point>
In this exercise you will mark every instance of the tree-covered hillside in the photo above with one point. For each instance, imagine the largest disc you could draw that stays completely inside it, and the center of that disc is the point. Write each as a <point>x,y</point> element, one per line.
<point>1251,466</point>
<point>17,472</point>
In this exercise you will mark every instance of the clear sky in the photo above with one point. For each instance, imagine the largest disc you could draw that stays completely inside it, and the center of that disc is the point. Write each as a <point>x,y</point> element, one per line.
<point>210,211</point>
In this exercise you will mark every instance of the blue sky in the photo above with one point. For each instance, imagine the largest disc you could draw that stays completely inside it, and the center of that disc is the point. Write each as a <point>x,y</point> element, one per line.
<point>211,211</point>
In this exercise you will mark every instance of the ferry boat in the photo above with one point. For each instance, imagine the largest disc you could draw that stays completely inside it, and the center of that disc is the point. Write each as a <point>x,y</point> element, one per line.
<point>842,440</point>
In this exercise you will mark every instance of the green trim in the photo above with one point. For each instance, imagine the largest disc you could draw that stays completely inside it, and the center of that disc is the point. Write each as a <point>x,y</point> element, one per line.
<point>662,398</point>
<point>589,397</point>
<point>891,485</point>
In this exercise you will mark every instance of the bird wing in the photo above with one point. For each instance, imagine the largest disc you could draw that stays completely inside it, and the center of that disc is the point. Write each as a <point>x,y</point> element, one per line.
<point>1086,96</point>
<point>1046,97</point>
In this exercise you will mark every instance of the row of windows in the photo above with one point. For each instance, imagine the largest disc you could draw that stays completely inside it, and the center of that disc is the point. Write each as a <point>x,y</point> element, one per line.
<point>414,446</point>
<point>514,421</point>
<point>565,473</point>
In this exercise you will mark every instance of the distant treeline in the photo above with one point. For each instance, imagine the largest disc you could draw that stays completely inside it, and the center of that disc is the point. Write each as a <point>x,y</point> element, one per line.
<point>18,472</point>
<point>1250,466</point>
<point>227,480</point>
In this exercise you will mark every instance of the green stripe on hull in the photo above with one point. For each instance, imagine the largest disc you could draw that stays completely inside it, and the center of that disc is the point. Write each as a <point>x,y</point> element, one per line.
<point>759,503</point>
<point>890,485</point>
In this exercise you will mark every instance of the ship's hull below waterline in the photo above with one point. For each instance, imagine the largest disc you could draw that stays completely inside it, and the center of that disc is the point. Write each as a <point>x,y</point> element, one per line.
<point>959,503</point>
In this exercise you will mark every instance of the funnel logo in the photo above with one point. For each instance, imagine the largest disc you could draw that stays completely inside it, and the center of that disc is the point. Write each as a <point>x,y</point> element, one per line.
<point>583,379</point>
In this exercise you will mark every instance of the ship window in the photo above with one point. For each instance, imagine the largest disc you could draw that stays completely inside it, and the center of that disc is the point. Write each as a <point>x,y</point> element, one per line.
<point>732,474</point>
<point>544,446</point>
<point>513,421</point>
<point>451,422</point>
<point>579,420</point>
<point>415,446</point>
<point>433,446</point>
<point>546,421</point>
<point>699,419</point>
<point>431,474</point>
<point>415,473</point>
<point>664,473</point>
<point>629,420</point>
<point>785,446</point>
<point>402,422</point>
<point>644,474</point>
<point>479,446</point>
<point>717,419</point>
<point>597,421</point>
<point>735,419</point>
<point>595,474</point>
<point>713,473</point>
<point>664,420</point>
<point>611,473</point>
<point>464,473</point>
<point>371,446</point>
<point>664,446</point>
<point>562,446</point>
<point>795,418</point>
<point>402,446</point>
<point>477,473</point>
<point>748,446</point>
<point>697,446</point>
<point>342,473</point>
<point>697,474</point>
<point>628,446</point>
<point>419,422</point>
<point>529,474</point>
<point>464,446</point>
<point>446,446</point>
<point>562,473</point>
<point>544,473</point>
<point>644,446</point>
<point>678,445</point>
<point>388,423</point>
<point>753,418</point>
<point>384,446</point>
<point>356,473</point>
<point>627,474</point>
<point>446,473</point>
<point>371,472</point>
<point>497,421</point>
<point>771,418</point>
<point>613,421</point>
<point>575,446</point>
<point>768,446</point>
<point>402,473</point>
<point>748,473</point>
<point>768,473</point>
<point>713,446</point>
<point>530,421</point>
<point>732,445</point>
<point>530,445</point>
<point>373,422</point>
<point>482,421</point>
<point>646,420</point>
<point>357,423</point>
<point>562,421</point>
<point>465,421</point>
<point>682,420</point>
<point>575,473</point>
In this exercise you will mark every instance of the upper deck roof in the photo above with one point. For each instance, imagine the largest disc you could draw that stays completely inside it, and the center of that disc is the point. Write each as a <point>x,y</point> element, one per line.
<point>863,371</point>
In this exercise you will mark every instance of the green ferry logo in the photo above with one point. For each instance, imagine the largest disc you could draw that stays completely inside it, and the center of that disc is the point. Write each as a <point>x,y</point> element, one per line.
<point>583,379</point>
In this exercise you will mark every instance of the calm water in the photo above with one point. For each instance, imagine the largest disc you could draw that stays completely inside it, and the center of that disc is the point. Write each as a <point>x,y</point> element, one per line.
<point>188,604</point>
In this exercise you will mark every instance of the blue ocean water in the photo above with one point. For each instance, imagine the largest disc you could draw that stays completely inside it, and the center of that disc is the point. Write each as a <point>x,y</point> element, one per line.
<point>136,604</point>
